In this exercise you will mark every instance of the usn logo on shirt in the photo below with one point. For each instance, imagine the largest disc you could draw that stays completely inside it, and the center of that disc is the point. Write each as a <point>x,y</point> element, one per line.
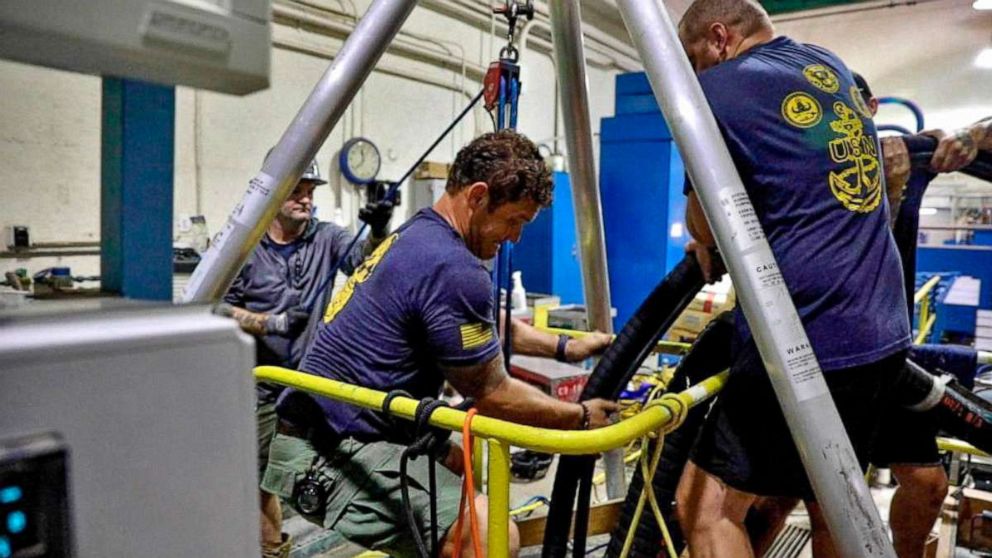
<point>361,275</point>
<point>856,182</point>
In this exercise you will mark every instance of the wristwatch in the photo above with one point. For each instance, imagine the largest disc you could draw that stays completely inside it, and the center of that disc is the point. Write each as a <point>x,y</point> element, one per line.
<point>560,349</point>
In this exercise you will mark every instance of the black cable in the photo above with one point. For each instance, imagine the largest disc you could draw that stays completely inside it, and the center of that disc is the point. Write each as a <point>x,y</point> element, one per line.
<point>492,117</point>
<point>425,444</point>
<point>390,195</point>
<point>621,359</point>
<point>428,441</point>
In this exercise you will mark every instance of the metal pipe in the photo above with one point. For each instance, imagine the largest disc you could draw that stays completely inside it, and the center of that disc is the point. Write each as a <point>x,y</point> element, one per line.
<point>299,143</point>
<point>795,374</point>
<point>570,63</point>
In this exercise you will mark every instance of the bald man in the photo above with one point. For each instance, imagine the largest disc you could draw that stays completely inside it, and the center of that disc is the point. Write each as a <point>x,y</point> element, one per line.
<point>807,151</point>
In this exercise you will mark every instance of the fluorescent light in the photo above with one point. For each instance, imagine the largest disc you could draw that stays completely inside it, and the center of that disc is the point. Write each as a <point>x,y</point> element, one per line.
<point>677,230</point>
<point>982,5</point>
<point>984,58</point>
<point>928,211</point>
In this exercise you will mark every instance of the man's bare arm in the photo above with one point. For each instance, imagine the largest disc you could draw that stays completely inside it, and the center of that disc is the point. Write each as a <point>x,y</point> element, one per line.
<point>982,131</point>
<point>959,148</point>
<point>498,395</point>
<point>528,340</point>
<point>695,221</point>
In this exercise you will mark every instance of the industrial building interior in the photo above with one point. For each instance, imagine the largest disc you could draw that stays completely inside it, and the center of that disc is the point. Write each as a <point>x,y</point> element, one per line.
<point>149,149</point>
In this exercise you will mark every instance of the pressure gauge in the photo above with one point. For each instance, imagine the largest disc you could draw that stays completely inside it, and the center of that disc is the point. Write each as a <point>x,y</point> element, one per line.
<point>360,161</point>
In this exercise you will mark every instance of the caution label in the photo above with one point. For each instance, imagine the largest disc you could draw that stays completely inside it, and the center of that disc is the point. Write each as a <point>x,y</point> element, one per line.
<point>739,213</point>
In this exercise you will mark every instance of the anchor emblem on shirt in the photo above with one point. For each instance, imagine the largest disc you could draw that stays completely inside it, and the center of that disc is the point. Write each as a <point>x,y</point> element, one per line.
<point>857,186</point>
<point>801,110</point>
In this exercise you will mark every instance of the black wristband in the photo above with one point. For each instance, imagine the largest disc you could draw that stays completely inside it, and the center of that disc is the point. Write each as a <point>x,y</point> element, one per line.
<point>585,415</point>
<point>560,349</point>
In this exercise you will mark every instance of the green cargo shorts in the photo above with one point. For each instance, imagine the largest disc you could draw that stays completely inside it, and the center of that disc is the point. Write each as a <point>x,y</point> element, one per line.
<point>266,418</point>
<point>361,482</point>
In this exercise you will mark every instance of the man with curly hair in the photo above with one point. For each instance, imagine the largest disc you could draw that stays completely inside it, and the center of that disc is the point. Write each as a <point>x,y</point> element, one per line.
<point>417,312</point>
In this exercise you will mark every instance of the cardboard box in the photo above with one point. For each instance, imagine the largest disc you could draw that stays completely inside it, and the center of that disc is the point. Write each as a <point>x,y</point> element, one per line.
<point>430,169</point>
<point>557,379</point>
<point>709,303</point>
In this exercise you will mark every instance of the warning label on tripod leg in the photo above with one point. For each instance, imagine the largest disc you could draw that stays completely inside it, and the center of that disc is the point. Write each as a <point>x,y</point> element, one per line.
<point>739,213</point>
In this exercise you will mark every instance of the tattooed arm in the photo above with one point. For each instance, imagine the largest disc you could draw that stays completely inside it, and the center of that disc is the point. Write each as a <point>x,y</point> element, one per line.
<point>958,149</point>
<point>250,322</point>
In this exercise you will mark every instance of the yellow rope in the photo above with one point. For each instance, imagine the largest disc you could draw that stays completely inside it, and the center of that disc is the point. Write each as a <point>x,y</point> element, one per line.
<point>679,411</point>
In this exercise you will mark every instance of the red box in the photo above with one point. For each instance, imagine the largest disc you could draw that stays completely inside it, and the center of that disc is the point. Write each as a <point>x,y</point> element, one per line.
<point>558,379</point>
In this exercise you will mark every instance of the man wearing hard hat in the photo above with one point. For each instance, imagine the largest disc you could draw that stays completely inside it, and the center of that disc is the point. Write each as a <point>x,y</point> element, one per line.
<point>271,298</point>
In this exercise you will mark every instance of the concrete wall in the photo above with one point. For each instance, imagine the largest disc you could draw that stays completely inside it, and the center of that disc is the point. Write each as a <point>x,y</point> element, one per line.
<point>50,130</point>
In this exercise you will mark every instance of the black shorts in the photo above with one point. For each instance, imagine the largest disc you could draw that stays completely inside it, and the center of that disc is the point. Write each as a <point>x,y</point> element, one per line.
<point>746,443</point>
<point>905,437</point>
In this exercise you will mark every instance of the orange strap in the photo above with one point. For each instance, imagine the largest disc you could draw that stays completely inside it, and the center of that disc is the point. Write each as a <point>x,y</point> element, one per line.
<point>468,493</point>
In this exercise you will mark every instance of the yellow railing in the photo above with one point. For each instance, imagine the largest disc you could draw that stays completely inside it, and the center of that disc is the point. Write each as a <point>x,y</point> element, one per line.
<point>957,446</point>
<point>499,435</point>
<point>927,318</point>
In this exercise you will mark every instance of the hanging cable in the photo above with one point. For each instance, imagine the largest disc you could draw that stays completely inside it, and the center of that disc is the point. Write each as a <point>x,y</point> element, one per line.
<point>502,91</point>
<point>430,442</point>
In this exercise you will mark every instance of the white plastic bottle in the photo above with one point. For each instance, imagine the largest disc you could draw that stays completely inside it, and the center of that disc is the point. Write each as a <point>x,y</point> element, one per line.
<point>518,296</point>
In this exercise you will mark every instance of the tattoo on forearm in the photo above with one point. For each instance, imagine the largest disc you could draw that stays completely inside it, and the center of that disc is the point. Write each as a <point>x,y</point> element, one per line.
<point>985,127</point>
<point>967,140</point>
<point>250,322</point>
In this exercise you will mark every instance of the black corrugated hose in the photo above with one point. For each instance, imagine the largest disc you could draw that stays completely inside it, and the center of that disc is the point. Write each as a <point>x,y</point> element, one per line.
<point>618,364</point>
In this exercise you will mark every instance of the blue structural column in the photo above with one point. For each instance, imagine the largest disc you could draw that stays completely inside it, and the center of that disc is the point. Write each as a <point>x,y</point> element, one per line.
<point>137,154</point>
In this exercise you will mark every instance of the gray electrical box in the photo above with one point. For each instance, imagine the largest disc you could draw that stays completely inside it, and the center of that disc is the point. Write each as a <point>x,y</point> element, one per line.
<point>153,407</point>
<point>222,45</point>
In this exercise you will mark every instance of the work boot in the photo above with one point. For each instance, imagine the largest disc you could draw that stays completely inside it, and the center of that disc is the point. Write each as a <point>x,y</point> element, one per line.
<point>278,551</point>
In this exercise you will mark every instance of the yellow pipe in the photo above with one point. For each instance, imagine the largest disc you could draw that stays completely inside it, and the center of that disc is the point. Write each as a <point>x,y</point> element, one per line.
<point>571,442</point>
<point>925,289</point>
<point>925,330</point>
<point>951,444</point>
<point>499,499</point>
<point>528,508</point>
<point>478,459</point>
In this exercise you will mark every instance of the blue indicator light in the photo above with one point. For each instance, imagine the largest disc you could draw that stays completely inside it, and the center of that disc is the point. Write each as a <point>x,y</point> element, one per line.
<point>9,495</point>
<point>5,551</point>
<point>16,522</point>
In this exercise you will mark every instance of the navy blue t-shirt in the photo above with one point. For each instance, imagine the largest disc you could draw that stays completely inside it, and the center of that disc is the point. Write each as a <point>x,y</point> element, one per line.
<point>421,300</point>
<point>808,154</point>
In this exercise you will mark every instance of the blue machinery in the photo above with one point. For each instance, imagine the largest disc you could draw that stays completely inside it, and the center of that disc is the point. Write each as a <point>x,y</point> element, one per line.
<point>641,179</point>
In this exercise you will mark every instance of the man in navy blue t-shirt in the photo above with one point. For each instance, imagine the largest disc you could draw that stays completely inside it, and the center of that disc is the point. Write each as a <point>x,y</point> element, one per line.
<point>269,299</point>
<point>807,152</point>
<point>417,312</point>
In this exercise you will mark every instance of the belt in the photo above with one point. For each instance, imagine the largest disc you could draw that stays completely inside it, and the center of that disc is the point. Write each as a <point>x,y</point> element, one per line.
<point>322,439</point>
<point>289,429</point>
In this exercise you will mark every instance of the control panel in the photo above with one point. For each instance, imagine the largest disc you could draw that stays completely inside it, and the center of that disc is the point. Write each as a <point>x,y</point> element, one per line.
<point>34,507</point>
